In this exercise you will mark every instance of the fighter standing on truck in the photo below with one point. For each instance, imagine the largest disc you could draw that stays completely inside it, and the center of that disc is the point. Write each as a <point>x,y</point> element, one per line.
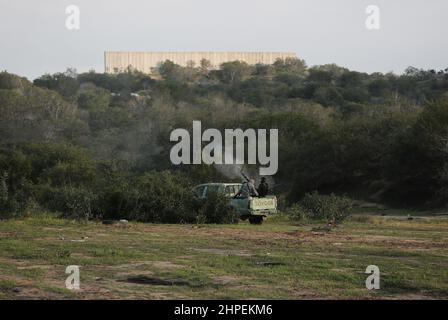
<point>247,188</point>
<point>263,188</point>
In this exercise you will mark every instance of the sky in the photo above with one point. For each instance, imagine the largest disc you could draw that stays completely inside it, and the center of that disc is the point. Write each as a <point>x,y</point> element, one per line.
<point>34,39</point>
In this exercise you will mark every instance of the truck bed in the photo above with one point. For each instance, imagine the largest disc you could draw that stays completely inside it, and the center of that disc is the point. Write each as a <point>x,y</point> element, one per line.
<point>267,204</point>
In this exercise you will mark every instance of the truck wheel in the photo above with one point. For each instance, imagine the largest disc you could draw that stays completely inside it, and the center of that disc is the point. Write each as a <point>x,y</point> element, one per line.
<point>255,219</point>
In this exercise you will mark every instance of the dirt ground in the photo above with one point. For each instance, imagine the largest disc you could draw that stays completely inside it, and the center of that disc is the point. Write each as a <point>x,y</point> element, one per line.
<point>280,259</point>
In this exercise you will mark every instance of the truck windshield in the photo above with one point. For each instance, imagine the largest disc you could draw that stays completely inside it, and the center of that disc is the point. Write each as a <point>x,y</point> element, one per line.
<point>214,189</point>
<point>232,190</point>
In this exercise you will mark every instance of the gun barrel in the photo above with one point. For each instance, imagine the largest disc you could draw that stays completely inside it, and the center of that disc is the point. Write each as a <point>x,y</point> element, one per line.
<point>245,177</point>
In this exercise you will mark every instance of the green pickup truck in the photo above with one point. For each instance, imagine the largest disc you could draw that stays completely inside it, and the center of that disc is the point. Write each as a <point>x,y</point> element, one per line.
<point>252,208</point>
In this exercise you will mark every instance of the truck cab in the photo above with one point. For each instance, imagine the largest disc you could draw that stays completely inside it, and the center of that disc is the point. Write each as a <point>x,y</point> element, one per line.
<point>252,208</point>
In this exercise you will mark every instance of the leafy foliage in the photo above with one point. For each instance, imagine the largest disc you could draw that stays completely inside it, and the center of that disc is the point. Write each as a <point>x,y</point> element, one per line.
<point>162,197</point>
<point>314,206</point>
<point>97,145</point>
<point>216,209</point>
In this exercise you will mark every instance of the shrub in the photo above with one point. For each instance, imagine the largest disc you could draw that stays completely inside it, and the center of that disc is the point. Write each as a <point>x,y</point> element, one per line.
<point>315,206</point>
<point>3,189</point>
<point>216,209</point>
<point>72,202</point>
<point>10,81</point>
<point>14,204</point>
<point>3,194</point>
<point>297,212</point>
<point>162,197</point>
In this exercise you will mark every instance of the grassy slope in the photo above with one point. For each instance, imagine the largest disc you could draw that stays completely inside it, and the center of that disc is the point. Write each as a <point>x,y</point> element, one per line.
<point>275,260</point>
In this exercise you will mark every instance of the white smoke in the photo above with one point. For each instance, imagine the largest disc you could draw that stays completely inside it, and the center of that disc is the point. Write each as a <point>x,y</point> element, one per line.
<point>231,171</point>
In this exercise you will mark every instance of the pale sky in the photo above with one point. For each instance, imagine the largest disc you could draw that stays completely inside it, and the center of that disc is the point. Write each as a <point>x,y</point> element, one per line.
<point>34,39</point>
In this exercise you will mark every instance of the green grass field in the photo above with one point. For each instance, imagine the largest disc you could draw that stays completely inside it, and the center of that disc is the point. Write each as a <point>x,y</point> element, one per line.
<point>277,260</point>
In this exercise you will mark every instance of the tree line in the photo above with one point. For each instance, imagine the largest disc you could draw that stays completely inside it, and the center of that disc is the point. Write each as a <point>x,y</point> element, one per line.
<point>101,141</point>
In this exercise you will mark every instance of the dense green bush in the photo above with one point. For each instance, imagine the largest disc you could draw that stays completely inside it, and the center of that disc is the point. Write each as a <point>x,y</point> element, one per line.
<point>314,206</point>
<point>162,197</point>
<point>417,173</point>
<point>216,209</point>
<point>3,193</point>
<point>71,202</point>
<point>379,137</point>
<point>64,179</point>
<point>297,212</point>
<point>15,202</point>
<point>54,177</point>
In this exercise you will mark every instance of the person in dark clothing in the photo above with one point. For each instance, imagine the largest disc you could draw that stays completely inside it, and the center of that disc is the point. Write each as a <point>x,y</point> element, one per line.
<point>247,190</point>
<point>263,188</point>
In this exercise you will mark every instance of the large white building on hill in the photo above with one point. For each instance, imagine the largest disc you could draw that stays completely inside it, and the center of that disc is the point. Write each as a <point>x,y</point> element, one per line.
<point>117,61</point>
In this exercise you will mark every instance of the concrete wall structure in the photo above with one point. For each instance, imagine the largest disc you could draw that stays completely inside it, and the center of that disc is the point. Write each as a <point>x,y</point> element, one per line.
<point>116,61</point>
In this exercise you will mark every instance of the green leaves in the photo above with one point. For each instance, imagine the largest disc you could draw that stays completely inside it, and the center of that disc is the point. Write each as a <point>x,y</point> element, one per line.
<point>314,206</point>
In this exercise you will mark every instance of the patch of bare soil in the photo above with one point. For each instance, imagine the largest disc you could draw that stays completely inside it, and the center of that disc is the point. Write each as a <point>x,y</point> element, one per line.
<point>239,234</point>
<point>227,280</point>
<point>189,231</point>
<point>166,265</point>
<point>53,229</point>
<point>294,292</point>
<point>145,264</point>
<point>133,273</point>
<point>89,292</point>
<point>133,265</point>
<point>8,234</point>
<point>299,236</point>
<point>165,296</point>
<point>143,268</point>
<point>377,240</point>
<point>42,267</point>
<point>224,252</point>
<point>30,293</point>
<point>26,290</point>
<point>402,242</point>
